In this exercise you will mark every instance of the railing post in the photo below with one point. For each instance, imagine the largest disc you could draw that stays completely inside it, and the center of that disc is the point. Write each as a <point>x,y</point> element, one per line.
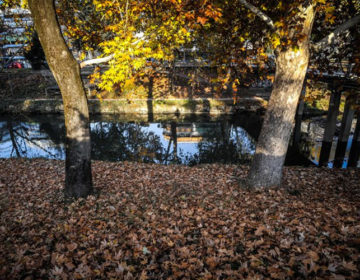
<point>355,145</point>
<point>299,115</point>
<point>344,132</point>
<point>330,126</point>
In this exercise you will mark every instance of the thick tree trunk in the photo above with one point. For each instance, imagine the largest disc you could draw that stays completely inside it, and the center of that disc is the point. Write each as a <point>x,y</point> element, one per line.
<point>78,182</point>
<point>291,66</point>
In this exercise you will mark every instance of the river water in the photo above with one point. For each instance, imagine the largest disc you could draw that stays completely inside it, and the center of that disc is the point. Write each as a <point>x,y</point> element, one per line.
<point>188,141</point>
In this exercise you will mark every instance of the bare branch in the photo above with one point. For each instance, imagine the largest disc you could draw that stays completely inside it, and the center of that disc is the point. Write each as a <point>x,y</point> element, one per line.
<point>103,59</point>
<point>96,60</point>
<point>259,13</point>
<point>330,39</point>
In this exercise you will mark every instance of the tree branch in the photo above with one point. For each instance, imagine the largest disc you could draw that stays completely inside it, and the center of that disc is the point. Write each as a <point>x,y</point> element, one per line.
<point>259,13</point>
<point>103,59</point>
<point>96,60</point>
<point>330,39</point>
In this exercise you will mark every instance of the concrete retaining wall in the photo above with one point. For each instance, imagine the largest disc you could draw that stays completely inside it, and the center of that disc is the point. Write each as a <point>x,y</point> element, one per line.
<point>139,106</point>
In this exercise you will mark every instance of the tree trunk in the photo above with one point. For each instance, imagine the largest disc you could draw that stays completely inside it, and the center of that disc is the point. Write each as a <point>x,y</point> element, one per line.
<point>78,181</point>
<point>291,66</point>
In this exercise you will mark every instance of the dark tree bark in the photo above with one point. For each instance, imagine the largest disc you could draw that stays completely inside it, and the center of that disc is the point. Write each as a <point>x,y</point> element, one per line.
<point>78,181</point>
<point>291,66</point>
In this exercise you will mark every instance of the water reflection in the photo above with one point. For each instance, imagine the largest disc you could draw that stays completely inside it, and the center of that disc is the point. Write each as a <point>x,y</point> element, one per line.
<point>189,142</point>
<point>223,142</point>
<point>125,141</point>
<point>163,142</point>
<point>30,140</point>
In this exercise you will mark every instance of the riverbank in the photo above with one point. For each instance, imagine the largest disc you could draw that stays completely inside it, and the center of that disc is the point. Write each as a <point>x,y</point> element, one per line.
<point>149,221</point>
<point>197,106</point>
<point>35,92</point>
<point>25,91</point>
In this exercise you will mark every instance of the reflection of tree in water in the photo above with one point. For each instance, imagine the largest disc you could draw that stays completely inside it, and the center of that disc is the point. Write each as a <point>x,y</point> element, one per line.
<point>23,139</point>
<point>55,131</point>
<point>227,144</point>
<point>172,157</point>
<point>125,141</point>
<point>221,142</point>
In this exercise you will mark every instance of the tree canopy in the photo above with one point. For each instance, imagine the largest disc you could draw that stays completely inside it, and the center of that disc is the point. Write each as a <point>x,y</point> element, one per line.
<point>134,35</point>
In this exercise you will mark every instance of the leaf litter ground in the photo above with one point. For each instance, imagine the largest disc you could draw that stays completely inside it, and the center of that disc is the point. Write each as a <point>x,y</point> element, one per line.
<point>148,221</point>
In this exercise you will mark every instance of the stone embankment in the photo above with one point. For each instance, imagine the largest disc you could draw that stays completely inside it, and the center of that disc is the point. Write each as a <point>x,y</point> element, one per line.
<point>140,106</point>
<point>37,92</point>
